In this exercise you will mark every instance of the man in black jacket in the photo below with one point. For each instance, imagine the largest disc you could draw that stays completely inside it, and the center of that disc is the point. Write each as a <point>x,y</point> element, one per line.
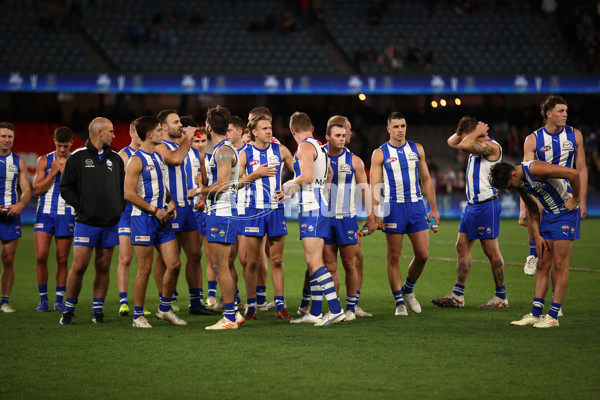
<point>92,183</point>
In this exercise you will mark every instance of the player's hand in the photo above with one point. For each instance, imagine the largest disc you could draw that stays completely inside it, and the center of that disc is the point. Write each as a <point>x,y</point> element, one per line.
<point>192,193</point>
<point>370,224</point>
<point>15,210</point>
<point>279,196</point>
<point>523,217</point>
<point>264,170</point>
<point>57,166</point>
<point>289,189</point>
<point>541,246</point>
<point>583,208</point>
<point>200,205</point>
<point>171,210</point>
<point>162,215</point>
<point>571,204</point>
<point>482,129</point>
<point>379,223</point>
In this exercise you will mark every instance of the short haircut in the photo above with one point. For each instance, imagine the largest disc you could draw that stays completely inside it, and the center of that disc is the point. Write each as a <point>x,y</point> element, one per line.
<point>186,121</point>
<point>395,115</point>
<point>549,104</point>
<point>260,110</point>
<point>218,119</point>
<point>254,122</point>
<point>330,126</point>
<point>338,119</point>
<point>300,122</point>
<point>63,134</point>
<point>466,125</point>
<point>7,125</point>
<point>501,174</point>
<point>145,124</point>
<point>162,116</point>
<point>237,122</point>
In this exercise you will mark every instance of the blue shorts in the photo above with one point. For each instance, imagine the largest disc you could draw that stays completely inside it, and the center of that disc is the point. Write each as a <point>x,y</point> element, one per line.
<point>200,217</point>
<point>57,225</point>
<point>124,225</point>
<point>221,229</point>
<point>481,221</point>
<point>562,226</point>
<point>342,231</point>
<point>405,217</point>
<point>95,236</point>
<point>270,222</point>
<point>146,231</point>
<point>10,227</point>
<point>185,221</point>
<point>313,224</point>
<point>242,221</point>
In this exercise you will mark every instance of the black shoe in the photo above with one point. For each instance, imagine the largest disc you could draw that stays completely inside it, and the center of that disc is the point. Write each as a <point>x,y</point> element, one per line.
<point>67,318</point>
<point>98,318</point>
<point>202,310</point>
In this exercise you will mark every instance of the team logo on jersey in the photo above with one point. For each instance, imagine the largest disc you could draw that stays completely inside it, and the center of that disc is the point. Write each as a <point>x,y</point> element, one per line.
<point>413,156</point>
<point>150,168</point>
<point>254,162</point>
<point>80,239</point>
<point>344,168</point>
<point>13,168</point>
<point>546,148</point>
<point>89,163</point>
<point>142,238</point>
<point>567,145</point>
<point>274,161</point>
<point>162,166</point>
<point>251,229</point>
<point>196,163</point>
<point>391,160</point>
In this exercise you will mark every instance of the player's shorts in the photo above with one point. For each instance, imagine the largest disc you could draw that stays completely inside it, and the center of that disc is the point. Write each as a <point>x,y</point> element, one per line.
<point>313,224</point>
<point>242,221</point>
<point>221,229</point>
<point>57,225</point>
<point>147,231</point>
<point>405,217</point>
<point>10,227</point>
<point>342,231</point>
<point>95,236</point>
<point>185,221</point>
<point>481,221</point>
<point>124,225</point>
<point>270,222</point>
<point>200,217</point>
<point>562,226</point>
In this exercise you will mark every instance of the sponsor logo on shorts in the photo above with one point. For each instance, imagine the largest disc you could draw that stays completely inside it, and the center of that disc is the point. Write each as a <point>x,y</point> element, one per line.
<point>391,160</point>
<point>413,156</point>
<point>38,226</point>
<point>124,230</point>
<point>311,228</point>
<point>149,167</point>
<point>175,225</point>
<point>546,148</point>
<point>350,232</point>
<point>142,238</point>
<point>221,233</point>
<point>567,145</point>
<point>214,229</point>
<point>565,227</point>
<point>391,226</point>
<point>80,239</point>
<point>488,230</point>
<point>481,228</point>
<point>251,229</point>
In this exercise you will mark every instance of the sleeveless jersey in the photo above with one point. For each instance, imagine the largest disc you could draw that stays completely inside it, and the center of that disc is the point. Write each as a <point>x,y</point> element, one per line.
<point>51,202</point>
<point>129,151</point>
<point>558,149</point>
<point>401,173</point>
<point>261,192</point>
<point>242,194</point>
<point>152,182</point>
<point>9,177</point>
<point>343,185</point>
<point>478,183</point>
<point>551,193</point>
<point>177,178</point>
<point>311,196</point>
<point>223,204</point>
<point>193,168</point>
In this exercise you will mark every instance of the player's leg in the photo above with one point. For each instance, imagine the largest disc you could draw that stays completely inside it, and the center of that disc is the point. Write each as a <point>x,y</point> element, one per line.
<point>211,277</point>
<point>348,256</point>
<point>63,249</point>
<point>7,278</point>
<point>492,251</point>
<point>532,259</point>
<point>276,246</point>
<point>330,260</point>
<point>562,254</point>
<point>169,250</point>
<point>42,241</point>
<point>254,248</point>
<point>455,298</point>
<point>394,251</point>
<point>193,271</point>
<point>262,272</point>
<point>220,263</point>
<point>359,273</point>
<point>145,256</point>
<point>102,261</point>
<point>125,257</point>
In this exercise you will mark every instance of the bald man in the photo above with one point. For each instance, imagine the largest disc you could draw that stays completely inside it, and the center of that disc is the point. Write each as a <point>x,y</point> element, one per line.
<point>92,183</point>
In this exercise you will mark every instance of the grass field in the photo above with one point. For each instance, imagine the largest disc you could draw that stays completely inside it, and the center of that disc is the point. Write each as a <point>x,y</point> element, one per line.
<point>468,353</point>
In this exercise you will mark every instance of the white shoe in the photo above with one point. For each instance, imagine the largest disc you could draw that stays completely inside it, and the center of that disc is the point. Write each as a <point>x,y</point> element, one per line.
<point>263,307</point>
<point>239,318</point>
<point>211,301</point>
<point>528,319</point>
<point>331,318</point>
<point>530,265</point>
<point>546,322</point>
<point>272,305</point>
<point>361,313</point>
<point>171,317</point>
<point>307,318</point>
<point>222,324</point>
<point>412,302</point>
<point>5,308</point>
<point>302,311</point>
<point>450,301</point>
<point>495,302</point>
<point>401,310</point>
<point>141,322</point>
<point>560,313</point>
<point>219,305</point>
<point>350,316</point>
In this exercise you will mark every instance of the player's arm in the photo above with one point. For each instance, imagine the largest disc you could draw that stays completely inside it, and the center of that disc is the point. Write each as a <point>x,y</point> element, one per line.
<point>534,218</point>
<point>260,172</point>
<point>454,140</point>
<point>365,193</point>
<point>306,156</point>
<point>427,184</point>
<point>177,156</point>
<point>528,154</point>
<point>25,185</point>
<point>288,159</point>
<point>41,180</point>
<point>581,166</point>
<point>124,157</point>
<point>224,159</point>
<point>543,170</point>
<point>472,143</point>
<point>376,175</point>
<point>134,169</point>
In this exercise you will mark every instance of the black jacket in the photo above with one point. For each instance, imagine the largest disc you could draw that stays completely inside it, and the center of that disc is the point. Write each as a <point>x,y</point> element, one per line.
<point>94,188</point>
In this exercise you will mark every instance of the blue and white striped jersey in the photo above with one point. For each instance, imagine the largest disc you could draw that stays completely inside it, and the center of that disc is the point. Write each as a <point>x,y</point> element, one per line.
<point>478,186</point>
<point>223,204</point>
<point>261,192</point>
<point>401,173</point>
<point>343,185</point>
<point>242,193</point>
<point>551,193</point>
<point>51,202</point>
<point>193,168</point>
<point>152,182</point>
<point>558,148</point>
<point>9,177</point>
<point>310,197</point>
<point>177,178</point>
<point>129,151</point>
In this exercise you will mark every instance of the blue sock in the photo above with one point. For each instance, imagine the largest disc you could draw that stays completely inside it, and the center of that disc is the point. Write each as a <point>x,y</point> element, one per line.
<point>43,289</point>
<point>398,297</point>
<point>70,304</point>
<point>251,303</point>
<point>459,289</point>
<point>532,249</point>
<point>230,311</point>
<point>123,298</point>
<point>212,288</point>
<point>261,294</point>
<point>4,299</point>
<point>357,296</point>
<point>538,307</point>
<point>554,309</point>
<point>138,312</point>
<point>316,297</point>
<point>325,280</point>
<point>279,303</point>
<point>60,294</point>
<point>237,299</point>
<point>165,304</point>
<point>409,284</point>
<point>501,292</point>
<point>351,303</point>
<point>305,297</point>
<point>159,296</point>
<point>195,299</point>
<point>175,294</point>
<point>98,305</point>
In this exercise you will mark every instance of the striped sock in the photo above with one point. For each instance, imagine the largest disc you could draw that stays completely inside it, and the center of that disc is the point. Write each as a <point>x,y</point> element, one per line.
<point>4,299</point>
<point>459,290</point>
<point>97,305</point>
<point>175,294</point>
<point>43,289</point>
<point>305,297</point>
<point>212,288</point>
<point>251,303</point>
<point>316,297</point>
<point>532,249</point>
<point>123,298</point>
<point>60,294</point>
<point>325,280</point>
<point>398,298</point>
<point>351,303</point>
<point>357,297</point>
<point>554,309</point>
<point>138,312</point>
<point>237,299</point>
<point>538,307</point>
<point>230,311</point>
<point>165,304</point>
<point>501,292</point>
<point>70,304</point>
<point>195,298</point>
<point>409,284</point>
<point>279,303</point>
<point>261,295</point>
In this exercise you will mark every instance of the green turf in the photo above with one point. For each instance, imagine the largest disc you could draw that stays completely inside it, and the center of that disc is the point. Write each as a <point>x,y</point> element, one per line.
<point>441,353</point>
